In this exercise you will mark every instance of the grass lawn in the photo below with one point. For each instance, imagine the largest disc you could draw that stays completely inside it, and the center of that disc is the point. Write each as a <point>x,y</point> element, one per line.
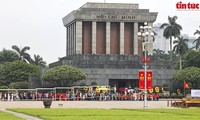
<point>113,114</point>
<point>8,116</point>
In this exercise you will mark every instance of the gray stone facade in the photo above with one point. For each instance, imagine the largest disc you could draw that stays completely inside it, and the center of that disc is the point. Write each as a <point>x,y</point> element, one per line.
<point>103,68</point>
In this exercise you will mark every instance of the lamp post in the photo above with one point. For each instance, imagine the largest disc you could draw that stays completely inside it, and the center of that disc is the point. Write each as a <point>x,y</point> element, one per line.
<point>145,32</point>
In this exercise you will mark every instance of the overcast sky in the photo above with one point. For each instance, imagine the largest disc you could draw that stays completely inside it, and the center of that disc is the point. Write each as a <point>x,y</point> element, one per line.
<point>38,23</point>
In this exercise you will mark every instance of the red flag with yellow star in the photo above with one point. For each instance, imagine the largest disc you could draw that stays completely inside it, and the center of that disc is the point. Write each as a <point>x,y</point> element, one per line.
<point>186,86</point>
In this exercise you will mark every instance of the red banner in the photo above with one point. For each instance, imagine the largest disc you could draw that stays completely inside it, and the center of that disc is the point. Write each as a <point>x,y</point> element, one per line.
<point>148,77</point>
<point>141,79</point>
<point>149,80</point>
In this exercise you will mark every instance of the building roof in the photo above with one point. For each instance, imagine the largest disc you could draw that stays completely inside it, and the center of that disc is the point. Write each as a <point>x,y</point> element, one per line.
<point>113,12</point>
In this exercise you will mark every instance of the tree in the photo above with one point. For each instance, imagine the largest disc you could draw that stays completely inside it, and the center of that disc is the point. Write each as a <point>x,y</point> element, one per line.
<point>161,54</point>
<point>94,83</point>
<point>17,71</point>
<point>1,74</point>
<point>180,48</point>
<point>158,52</point>
<point>19,85</point>
<point>22,53</point>
<point>191,75</point>
<point>155,34</point>
<point>8,56</point>
<point>197,32</point>
<point>197,41</point>
<point>192,59</point>
<point>37,60</point>
<point>63,76</point>
<point>171,29</point>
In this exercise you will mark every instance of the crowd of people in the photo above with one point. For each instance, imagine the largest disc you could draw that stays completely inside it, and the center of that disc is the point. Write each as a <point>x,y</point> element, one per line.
<point>78,95</point>
<point>14,96</point>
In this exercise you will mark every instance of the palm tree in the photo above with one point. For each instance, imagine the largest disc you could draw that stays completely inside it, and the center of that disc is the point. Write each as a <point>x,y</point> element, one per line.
<point>37,60</point>
<point>154,35</point>
<point>197,32</point>
<point>197,41</point>
<point>158,52</point>
<point>8,56</point>
<point>180,48</point>
<point>171,29</point>
<point>22,53</point>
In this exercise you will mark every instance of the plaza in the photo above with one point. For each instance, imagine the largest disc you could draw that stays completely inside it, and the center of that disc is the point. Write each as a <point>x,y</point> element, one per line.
<point>86,104</point>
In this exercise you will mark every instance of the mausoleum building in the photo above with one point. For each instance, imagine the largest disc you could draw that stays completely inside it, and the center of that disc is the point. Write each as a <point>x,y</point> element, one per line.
<point>102,40</point>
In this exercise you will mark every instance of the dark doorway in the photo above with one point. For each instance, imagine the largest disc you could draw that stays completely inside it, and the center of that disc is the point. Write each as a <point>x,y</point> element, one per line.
<point>121,84</point>
<point>124,83</point>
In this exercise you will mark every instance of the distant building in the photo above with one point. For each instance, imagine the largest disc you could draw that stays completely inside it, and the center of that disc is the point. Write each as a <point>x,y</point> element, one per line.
<point>160,42</point>
<point>190,41</point>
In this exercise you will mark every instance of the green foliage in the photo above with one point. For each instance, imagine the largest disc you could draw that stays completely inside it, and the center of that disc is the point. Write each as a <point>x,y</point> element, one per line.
<point>83,84</point>
<point>171,29</point>
<point>23,55</point>
<point>180,48</point>
<point>197,41</point>
<point>37,60</point>
<point>63,75</point>
<point>3,87</point>
<point>197,32</point>
<point>19,85</point>
<point>190,54</point>
<point>1,72</point>
<point>177,63</point>
<point>93,83</point>
<point>190,75</point>
<point>158,52</point>
<point>165,85</point>
<point>112,114</point>
<point>8,56</point>
<point>161,55</point>
<point>17,71</point>
<point>192,59</point>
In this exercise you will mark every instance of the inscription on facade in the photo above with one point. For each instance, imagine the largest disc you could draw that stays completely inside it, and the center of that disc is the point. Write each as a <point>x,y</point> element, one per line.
<point>120,17</point>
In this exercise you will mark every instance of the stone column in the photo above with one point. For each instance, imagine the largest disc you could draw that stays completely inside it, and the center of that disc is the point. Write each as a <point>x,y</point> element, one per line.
<point>94,29</point>
<point>74,38</point>
<point>67,45</point>
<point>69,39</point>
<point>79,44</point>
<point>150,40</point>
<point>121,37</point>
<point>107,37</point>
<point>135,39</point>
